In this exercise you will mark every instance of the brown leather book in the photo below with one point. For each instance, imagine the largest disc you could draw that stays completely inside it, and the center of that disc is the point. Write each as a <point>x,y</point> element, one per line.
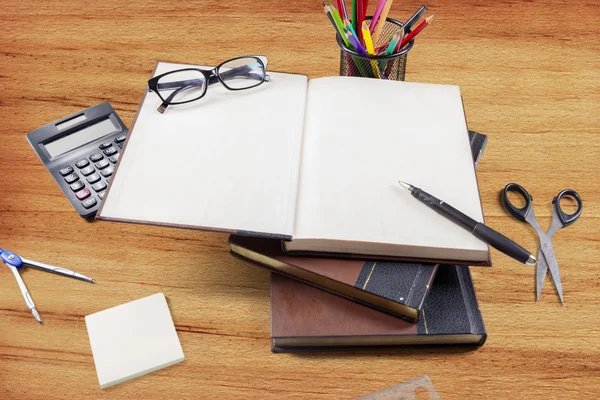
<point>394,287</point>
<point>303,317</point>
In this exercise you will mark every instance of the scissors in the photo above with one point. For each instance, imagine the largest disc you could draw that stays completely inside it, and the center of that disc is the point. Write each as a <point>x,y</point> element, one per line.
<point>560,219</point>
<point>16,263</point>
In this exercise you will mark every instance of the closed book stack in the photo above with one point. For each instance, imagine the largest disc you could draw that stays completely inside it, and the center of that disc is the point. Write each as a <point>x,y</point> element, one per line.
<point>329,303</point>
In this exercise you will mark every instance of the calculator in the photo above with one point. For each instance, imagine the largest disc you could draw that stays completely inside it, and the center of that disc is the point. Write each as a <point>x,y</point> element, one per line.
<point>80,152</point>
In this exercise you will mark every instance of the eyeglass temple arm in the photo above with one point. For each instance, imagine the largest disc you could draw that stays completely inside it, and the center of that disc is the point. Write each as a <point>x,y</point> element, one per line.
<point>161,109</point>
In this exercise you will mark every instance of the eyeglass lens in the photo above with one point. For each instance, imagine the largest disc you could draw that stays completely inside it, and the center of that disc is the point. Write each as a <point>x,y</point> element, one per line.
<point>242,73</point>
<point>182,86</point>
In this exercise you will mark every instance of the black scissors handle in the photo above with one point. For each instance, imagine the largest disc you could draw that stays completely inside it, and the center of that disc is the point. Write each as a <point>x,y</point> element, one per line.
<point>567,219</point>
<point>518,213</point>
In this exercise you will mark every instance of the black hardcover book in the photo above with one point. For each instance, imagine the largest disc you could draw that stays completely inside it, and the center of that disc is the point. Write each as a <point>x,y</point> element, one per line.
<point>303,317</point>
<point>397,288</point>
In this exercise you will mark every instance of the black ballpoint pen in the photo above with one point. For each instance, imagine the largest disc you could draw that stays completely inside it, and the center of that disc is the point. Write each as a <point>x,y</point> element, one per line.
<point>478,229</point>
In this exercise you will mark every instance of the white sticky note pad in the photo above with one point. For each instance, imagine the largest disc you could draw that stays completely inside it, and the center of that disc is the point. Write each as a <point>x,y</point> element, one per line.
<point>133,339</point>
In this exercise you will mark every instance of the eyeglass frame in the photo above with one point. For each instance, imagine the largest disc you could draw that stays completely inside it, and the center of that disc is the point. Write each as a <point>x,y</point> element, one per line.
<point>209,76</point>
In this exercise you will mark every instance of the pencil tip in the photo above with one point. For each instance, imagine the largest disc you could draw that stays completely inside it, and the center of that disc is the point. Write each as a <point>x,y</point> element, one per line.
<point>430,18</point>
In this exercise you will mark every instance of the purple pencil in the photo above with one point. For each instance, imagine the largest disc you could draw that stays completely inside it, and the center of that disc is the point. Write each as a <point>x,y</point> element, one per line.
<point>355,43</point>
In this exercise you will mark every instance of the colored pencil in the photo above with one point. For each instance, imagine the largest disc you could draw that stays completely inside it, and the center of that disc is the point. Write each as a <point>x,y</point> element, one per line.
<point>377,31</point>
<point>376,15</point>
<point>336,18</point>
<point>394,42</point>
<point>370,49</point>
<point>343,10</point>
<point>354,13</point>
<point>338,29</point>
<point>414,33</point>
<point>360,20</point>
<point>348,26</point>
<point>414,18</point>
<point>338,5</point>
<point>354,41</point>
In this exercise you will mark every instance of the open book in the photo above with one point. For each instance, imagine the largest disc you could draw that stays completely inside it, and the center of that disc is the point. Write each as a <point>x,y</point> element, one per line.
<point>314,163</point>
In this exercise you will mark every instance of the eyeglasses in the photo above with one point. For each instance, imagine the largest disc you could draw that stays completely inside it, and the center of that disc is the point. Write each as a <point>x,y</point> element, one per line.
<point>190,84</point>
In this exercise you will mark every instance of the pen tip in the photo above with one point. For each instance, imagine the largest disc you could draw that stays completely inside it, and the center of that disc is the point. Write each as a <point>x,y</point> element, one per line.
<point>405,186</point>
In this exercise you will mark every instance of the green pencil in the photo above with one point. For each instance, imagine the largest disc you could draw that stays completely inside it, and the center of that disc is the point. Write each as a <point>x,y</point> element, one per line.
<point>354,16</point>
<point>337,23</point>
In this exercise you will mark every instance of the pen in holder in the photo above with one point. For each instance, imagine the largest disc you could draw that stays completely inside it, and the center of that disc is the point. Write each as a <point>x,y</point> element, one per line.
<point>381,66</point>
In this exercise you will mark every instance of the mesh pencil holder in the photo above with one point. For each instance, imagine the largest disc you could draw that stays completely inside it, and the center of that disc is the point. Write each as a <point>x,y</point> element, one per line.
<point>380,67</point>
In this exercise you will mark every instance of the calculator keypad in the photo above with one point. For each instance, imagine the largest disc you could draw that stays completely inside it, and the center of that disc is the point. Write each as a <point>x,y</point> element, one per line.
<point>82,163</point>
<point>77,186</point>
<point>71,178</point>
<point>110,151</point>
<point>97,168</point>
<point>66,170</point>
<point>107,172</point>
<point>83,194</point>
<point>88,170</point>
<point>93,178</point>
<point>100,186</point>
<point>89,203</point>
<point>102,164</point>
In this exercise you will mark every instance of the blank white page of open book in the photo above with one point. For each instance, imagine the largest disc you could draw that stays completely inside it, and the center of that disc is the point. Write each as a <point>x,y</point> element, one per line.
<point>228,161</point>
<point>363,135</point>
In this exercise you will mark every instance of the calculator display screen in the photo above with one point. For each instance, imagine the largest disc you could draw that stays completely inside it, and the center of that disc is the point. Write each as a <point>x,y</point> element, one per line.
<point>80,137</point>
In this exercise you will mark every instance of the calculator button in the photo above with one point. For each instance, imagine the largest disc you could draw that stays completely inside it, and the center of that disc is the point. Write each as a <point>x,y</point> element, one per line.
<point>102,164</point>
<point>107,172</point>
<point>66,170</point>
<point>82,163</point>
<point>121,139</point>
<point>110,151</point>
<point>77,186</point>
<point>96,157</point>
<point>113,159</point>
<point>88,170</point>
<point>100,186</point>
<point>105,145</point>
<point>101,195</point>
<point>120,145</point>
<point>89,203</point>
<point>71,178</point>
<point>83,194</point>
<point>93,178</point>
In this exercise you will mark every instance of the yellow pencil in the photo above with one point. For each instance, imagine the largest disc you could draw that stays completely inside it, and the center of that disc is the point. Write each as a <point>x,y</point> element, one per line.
<point>381,20</point>
<point>370,48</point>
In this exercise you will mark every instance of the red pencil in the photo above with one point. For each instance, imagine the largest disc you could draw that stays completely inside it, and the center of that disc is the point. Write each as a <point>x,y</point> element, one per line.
<point>413,33</point>
<point>361,18</point>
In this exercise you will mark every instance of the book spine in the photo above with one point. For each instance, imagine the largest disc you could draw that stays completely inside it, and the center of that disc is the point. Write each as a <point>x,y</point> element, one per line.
<point>470,299</point>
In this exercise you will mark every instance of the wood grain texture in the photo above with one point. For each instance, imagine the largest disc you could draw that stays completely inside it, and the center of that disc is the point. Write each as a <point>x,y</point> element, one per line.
<point>529,73</point>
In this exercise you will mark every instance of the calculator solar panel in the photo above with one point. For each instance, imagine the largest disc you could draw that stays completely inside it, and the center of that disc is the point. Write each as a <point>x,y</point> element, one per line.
<point>80,152</point>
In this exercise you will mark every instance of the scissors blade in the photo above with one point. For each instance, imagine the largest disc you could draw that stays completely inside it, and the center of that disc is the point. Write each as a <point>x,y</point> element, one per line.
<point>57,270</point>
<point>541,268</point>
<point>552,265</point>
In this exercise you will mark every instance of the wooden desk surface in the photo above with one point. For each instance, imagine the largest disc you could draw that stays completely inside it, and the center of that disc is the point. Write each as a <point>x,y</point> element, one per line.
<point>529,74</point>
